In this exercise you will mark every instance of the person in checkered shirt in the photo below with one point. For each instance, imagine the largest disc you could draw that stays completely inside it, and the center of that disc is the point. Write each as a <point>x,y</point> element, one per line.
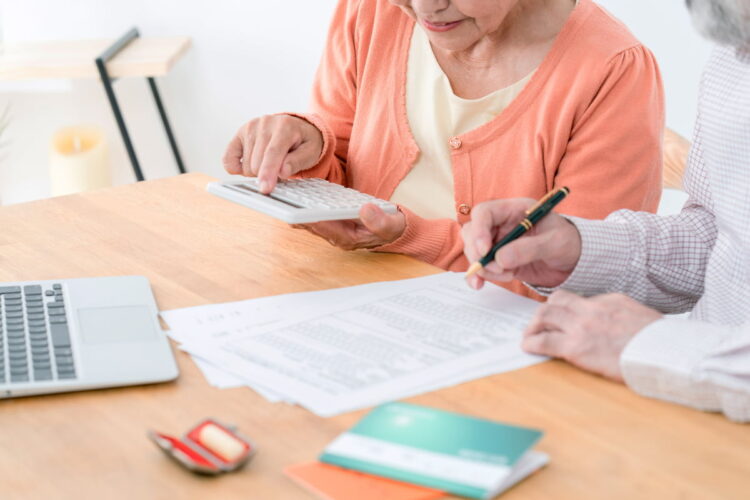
<point>636,268</point>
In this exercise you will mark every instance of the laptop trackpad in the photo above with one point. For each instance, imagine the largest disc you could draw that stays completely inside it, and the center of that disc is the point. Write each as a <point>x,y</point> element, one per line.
<point>100,325</point>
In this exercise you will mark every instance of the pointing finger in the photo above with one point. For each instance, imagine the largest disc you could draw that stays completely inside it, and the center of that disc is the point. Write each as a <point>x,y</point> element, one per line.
<point>271,163</point>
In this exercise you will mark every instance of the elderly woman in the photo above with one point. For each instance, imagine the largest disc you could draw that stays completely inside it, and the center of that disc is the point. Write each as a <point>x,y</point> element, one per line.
<point>438,105</point>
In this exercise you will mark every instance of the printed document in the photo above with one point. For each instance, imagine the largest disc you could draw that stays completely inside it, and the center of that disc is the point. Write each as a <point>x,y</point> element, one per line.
<point>365,345</point>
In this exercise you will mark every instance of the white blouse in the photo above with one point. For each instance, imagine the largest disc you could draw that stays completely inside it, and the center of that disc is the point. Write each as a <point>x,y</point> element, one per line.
<point>435,115</point>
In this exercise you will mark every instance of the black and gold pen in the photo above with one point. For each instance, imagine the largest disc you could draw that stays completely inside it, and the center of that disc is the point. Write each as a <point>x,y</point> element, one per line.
<point>542,208</point>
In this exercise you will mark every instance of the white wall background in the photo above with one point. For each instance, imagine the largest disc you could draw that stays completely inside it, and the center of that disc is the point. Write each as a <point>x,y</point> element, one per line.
<point>249,57</point>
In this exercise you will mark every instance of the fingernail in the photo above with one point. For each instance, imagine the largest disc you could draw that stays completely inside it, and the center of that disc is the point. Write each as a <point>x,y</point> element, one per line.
<point>264,187</point>
<point>493,268</point>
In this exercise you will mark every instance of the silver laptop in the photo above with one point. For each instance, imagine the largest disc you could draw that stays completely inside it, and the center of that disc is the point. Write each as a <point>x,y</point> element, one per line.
<point>78,334</point>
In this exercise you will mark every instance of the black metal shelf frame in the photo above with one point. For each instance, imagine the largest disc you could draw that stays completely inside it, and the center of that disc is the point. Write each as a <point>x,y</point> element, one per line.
<point>107,81</point>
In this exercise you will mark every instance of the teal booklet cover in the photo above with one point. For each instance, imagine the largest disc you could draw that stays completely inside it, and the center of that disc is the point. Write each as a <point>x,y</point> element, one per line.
<point>455,453</point>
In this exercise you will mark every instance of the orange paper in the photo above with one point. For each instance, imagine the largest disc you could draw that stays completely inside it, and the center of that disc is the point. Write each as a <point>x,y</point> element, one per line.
<point>334,483</point>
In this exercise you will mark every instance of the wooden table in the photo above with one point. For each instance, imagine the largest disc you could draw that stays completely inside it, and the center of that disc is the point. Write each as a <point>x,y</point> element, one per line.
<point>604,441</point>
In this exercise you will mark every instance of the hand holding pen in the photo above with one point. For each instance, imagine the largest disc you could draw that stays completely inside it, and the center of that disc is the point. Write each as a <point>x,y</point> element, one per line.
<point>545,255</point>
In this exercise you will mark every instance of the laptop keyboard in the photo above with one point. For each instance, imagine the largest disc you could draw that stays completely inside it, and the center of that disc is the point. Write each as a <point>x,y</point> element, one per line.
<point>34,338</point>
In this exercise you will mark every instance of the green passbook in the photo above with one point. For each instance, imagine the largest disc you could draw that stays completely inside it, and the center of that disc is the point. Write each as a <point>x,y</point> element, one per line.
<point>467,456</point>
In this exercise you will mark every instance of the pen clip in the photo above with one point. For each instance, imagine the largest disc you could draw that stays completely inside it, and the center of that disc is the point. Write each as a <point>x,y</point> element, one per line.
<point>542,201</point>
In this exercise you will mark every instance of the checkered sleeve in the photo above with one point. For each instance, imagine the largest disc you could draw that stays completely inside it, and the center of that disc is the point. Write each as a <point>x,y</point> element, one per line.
<point>706,368</point>
<point>659,261</point>
<point>671,262</point>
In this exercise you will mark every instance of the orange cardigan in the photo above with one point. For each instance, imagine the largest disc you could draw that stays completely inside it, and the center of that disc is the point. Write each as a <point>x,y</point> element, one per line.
<point>591,118</point>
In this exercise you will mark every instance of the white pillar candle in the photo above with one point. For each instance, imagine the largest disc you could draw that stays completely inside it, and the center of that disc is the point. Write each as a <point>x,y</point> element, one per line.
<point>79,160</point>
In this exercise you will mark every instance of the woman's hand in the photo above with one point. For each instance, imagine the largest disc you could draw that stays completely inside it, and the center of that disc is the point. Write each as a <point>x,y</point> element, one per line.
<point>545,256</point>
<point>374,228</point>
<point>273,147</point>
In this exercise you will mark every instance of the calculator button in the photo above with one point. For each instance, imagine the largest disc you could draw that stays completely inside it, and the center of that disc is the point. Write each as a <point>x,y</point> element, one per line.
<point>305,200</point>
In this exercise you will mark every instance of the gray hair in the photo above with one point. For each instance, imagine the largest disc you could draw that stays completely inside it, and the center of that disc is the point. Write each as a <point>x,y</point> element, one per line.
<point>726,22</point>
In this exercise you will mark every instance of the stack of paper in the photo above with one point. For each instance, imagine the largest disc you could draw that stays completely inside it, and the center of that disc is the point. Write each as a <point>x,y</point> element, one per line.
<point>339,350</point>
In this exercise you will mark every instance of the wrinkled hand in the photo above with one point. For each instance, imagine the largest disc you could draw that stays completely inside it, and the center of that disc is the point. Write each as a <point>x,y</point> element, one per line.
<point>544,256</point>
<point>374,228</point>
<point>588,333</point>
<point>273,147</point>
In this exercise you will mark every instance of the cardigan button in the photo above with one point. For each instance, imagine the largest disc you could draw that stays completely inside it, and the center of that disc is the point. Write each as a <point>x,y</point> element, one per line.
<point>464,209</point>
<point>454,142</point>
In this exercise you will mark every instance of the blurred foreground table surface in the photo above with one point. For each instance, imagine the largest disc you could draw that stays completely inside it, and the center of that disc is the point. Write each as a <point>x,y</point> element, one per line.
<point>604,441</point>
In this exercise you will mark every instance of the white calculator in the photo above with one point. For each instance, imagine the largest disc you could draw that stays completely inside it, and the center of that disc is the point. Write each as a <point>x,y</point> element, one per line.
<point>299,201</point>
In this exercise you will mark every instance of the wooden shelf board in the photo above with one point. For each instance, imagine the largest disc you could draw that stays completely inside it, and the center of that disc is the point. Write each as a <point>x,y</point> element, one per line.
<point>152,56</point>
